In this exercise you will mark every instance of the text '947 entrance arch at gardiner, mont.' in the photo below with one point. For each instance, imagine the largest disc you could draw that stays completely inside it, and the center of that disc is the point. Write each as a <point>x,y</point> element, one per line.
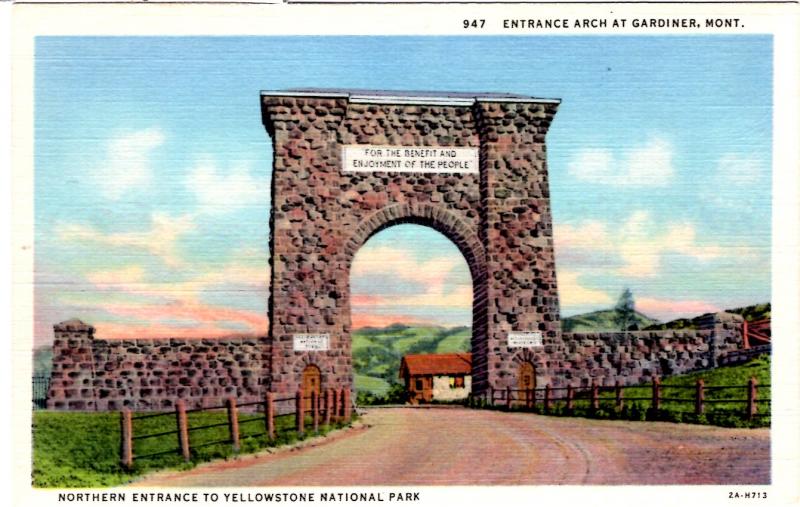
<point>349,163</point>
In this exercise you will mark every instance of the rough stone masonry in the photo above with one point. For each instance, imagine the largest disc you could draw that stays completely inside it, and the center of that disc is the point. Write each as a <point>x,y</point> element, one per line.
<point>498,215</point>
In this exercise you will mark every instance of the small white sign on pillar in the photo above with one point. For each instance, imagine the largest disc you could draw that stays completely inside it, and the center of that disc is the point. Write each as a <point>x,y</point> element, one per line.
<point>306,342</point>
<point>525,340</point>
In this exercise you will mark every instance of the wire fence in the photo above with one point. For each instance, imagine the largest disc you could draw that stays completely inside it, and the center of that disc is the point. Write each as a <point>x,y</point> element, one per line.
<point>41,385</point>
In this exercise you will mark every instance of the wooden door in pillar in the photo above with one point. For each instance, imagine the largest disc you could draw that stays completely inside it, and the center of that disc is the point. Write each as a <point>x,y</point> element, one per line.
<point>527,376</point>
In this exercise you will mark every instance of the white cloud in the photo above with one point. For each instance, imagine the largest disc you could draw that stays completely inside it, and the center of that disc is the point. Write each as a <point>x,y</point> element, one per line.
<point>127,164</point>
<point>635,248</point>
<point>668,309</point>
<point>648,165</point>
<point>430,274</point>
<point>224,191</point>
<point>739,169</point>
<point>681,239</point>
<point>160,241</point>
<point>642,247</point>
<point>377,260</point>
<point>572,294</point>
<point>593,165</point>
<point>126,277</point>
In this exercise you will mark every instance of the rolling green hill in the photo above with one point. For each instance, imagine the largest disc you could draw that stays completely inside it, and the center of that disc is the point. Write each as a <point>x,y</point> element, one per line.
<point>601,320</point>
<point>377,351</point>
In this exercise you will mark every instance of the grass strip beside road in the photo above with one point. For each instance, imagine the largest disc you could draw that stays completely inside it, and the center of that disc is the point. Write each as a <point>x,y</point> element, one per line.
<point>718,410</point>
<point>82,449</point>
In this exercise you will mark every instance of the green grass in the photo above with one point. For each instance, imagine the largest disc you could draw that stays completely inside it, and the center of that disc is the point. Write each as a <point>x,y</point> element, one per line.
<point>459,341</point>
<point>81,449</point>
<point>380,370</point>
<point>374,385</point>
<point>417,339</point>
<point>360,342</point>
<point>731,414</point>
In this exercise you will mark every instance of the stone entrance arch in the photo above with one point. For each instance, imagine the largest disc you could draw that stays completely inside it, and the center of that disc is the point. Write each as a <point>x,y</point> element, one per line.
<point>350,163</point>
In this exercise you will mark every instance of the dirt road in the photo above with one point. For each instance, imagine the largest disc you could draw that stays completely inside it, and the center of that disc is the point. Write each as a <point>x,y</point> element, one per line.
<point>405,446</point>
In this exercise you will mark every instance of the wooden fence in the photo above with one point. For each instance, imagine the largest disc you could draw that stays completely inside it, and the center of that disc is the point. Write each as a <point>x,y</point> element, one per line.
<point>546,398</point>
<point>331,406</point>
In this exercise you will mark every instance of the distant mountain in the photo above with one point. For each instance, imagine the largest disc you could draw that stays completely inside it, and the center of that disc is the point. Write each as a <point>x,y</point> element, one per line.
<point>601,320</point>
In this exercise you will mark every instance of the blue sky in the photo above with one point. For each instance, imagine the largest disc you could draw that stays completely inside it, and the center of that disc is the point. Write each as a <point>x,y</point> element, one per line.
<point>152,173</point>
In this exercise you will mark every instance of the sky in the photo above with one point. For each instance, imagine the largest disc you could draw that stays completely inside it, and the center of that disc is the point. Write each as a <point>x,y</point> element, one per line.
<point>152,173</point>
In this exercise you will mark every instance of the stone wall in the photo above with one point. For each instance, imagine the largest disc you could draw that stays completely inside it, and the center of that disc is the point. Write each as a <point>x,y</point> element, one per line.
<point>637,356</point>
<point>92,374</point>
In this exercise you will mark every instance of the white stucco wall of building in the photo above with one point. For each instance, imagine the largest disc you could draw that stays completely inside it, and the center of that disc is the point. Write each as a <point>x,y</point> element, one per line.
<point>443,392</point>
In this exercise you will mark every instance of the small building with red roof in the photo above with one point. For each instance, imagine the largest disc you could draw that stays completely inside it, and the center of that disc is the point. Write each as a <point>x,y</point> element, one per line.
<point>437,377</point>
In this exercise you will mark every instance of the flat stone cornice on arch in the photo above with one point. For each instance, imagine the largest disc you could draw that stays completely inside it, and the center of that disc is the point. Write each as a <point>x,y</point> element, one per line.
<point>436,217</point>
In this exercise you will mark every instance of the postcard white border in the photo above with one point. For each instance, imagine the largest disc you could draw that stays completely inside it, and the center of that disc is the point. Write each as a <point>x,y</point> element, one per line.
<point>780,20</point>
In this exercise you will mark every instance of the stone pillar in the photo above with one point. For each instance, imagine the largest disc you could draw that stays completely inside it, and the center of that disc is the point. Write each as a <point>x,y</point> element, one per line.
<point>727,334</point>
<point>309,269</point>
<point>72,376</point>
<point>517,232</point>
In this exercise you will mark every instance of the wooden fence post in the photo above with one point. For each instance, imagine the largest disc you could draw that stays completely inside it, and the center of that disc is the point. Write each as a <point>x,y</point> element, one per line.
<point>347,407</point>
<point>126,442</point>
<point>269,415</point>
<point>183,429</point>
<point>745,335</point>
<point>656,403</point>
<point>618,391</point>
<point>299,414</point>
<point>595,397</point>
<point>699,397</point>
<point>233,423</point>
<point>751,398</point>
<point>328,406</point>
<point>508,397</point>
<point>315,410</point>
<point>340,407</point>
<point>547,398</point>
<point>335,406</point>
<point>570,396</point>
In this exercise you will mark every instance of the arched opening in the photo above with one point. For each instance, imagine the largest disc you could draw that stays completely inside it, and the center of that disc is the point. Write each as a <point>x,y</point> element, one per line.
<point>526,376</point>
<point>311,384</point>
<point>411,295</point>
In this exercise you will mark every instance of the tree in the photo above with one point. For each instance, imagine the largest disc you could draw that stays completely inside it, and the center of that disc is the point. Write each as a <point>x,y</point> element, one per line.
<point>625,311</point>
